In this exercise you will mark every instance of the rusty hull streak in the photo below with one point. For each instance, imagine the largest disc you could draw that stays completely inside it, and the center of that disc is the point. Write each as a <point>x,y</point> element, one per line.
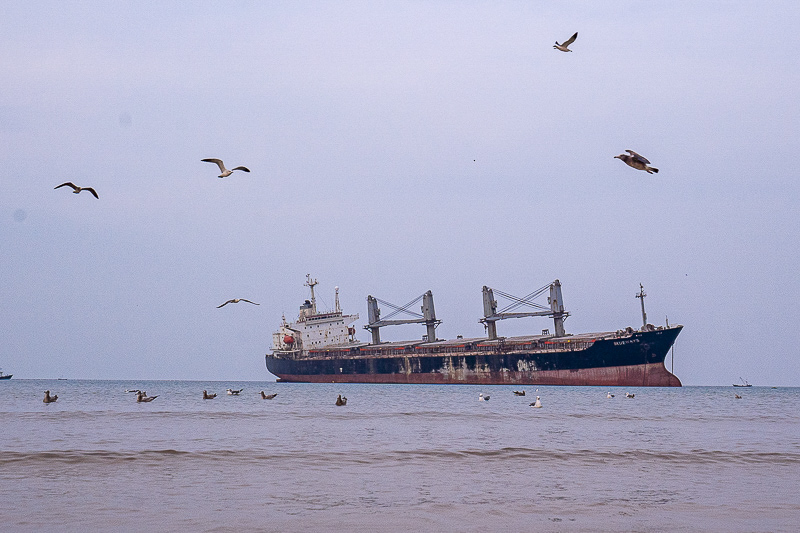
<point>646,375</point>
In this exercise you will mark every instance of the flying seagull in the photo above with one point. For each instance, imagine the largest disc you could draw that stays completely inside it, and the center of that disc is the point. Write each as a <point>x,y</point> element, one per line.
<point>77,189</point>
<point>236,301</point>
<point>225,171</point>
<point>636,161</point>
<point>564,47</point>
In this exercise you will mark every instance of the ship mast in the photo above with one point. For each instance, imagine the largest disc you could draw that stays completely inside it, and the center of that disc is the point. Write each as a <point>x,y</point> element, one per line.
<point>641,296</point>
<point>311,283</point>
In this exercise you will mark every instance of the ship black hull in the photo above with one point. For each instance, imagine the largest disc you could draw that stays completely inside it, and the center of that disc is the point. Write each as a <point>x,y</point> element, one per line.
<point>635,360</point>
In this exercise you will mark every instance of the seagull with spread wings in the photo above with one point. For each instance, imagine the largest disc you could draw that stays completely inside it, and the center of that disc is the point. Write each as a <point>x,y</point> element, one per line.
<point>636,161</point>
<point>77,189</point>
<point>225,172</point>
<point>564,47</point>
<point>236,301</point>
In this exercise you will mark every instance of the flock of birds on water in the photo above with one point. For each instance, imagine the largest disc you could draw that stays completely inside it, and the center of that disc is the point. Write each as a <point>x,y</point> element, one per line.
<point>142,397</point>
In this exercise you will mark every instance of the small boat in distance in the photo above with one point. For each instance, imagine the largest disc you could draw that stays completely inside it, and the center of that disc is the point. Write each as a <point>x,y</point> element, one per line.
<point>744,383</point>
<point>5,376</point>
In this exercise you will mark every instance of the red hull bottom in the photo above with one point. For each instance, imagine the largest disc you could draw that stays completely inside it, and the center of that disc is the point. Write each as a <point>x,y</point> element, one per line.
<point>647,375</point>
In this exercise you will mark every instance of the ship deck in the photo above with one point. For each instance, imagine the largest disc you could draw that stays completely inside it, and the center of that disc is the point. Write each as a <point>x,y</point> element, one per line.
<point>461,345</point>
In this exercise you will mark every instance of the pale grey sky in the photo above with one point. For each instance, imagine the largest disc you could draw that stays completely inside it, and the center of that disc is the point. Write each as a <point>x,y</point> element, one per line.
<point>395,147</point>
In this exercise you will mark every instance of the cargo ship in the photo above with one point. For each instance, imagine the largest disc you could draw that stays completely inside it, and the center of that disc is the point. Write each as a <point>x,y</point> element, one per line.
<point>321,347</point>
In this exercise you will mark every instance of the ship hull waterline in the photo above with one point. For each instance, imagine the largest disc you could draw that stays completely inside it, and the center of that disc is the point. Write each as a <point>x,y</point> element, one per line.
<point>637,361</point>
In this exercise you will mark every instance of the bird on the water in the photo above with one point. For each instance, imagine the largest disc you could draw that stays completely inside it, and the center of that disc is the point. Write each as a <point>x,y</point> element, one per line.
<point>564,47</point>
<point>537,403</point>
<point>234,392</point>
<point>636,161</point>
<point>737,396</point>
<point>609,395</point>
<point>236,301</point>
<point>224,171</point>
<point>482,398</point>
<point>629,395</point>
<point>207,396</point>
<point>143,397</point>
<point>76,189</point>
<point>268,396</point>
<point>341,400</point>
<point>48,398</point>
<point>519,393</point>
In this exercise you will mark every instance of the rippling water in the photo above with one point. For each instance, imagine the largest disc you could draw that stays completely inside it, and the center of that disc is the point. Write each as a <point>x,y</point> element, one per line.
<point>396,458</point>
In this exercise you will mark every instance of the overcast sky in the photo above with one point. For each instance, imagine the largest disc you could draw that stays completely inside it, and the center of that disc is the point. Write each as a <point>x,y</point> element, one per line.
<point>395,147</point>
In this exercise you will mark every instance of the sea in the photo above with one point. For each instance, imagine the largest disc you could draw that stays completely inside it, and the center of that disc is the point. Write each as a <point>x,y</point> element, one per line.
<point>396,458</point>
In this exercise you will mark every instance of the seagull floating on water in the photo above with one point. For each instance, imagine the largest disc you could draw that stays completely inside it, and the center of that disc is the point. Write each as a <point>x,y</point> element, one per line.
<point>236,301</point>
<point>143,397</point>
<point>636,161</point>
<point>207,396</point>
<point>48,398</point>
<point>564,47</point>
<point>537,403</point>
<point>519,393</point>
<point>737,396</point>
<point>77,190</point>
<point>225,172</point>
<point>629,395</point>
<point>341,400</point>
<point>482,398</point>
<point>267,396</point>
<point>234,392</point>
<point>609,395</point>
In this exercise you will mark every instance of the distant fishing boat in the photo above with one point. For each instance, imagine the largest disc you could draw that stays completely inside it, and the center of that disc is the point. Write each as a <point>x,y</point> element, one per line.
<point>744,383</point>
<point>5,376</point>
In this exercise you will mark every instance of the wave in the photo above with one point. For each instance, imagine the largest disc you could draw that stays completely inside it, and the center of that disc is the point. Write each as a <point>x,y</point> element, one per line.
<point>584,456</point>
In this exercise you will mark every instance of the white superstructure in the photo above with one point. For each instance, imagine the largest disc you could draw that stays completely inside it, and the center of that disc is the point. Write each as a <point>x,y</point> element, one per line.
<point>314,330</point>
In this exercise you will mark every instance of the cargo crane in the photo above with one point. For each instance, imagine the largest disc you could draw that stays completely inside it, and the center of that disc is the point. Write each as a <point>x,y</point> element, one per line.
<point>556,310</point>
<point>428,316</point>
